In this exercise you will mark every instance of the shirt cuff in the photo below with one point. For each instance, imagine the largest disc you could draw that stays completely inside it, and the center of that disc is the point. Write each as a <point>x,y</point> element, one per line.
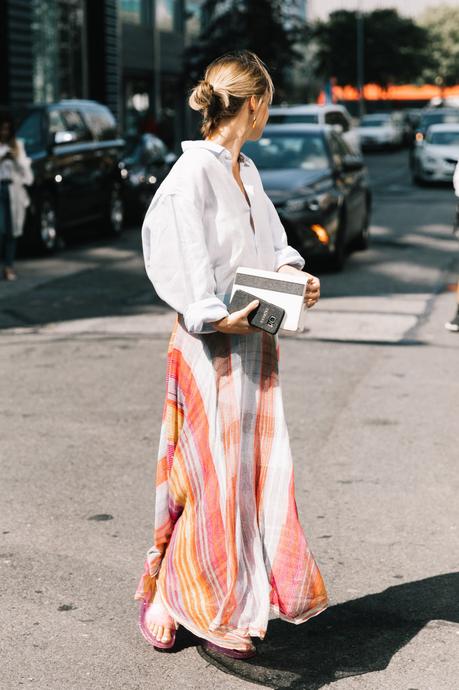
<point>199,315</point>
<point>289,256</point>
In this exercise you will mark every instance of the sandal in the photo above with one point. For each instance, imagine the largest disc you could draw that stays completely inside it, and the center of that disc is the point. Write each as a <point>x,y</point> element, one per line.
<point>232,653</point>
<point>161,618</point>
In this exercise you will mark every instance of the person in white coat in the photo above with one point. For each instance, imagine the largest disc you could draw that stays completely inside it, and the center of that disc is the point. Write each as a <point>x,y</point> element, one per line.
<point>15,174</point>
<point>453,325</point>
<point>229,553</point>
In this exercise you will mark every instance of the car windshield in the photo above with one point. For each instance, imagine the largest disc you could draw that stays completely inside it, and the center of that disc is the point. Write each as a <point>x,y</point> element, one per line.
<point>294,118</point>
<point>374,121</point>
<point>444,138</point>
<point>437,118</point>
<point>283,151</point>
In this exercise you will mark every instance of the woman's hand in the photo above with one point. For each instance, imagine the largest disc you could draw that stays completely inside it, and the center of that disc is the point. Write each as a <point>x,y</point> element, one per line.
<point>236,323</point>
<point>312,294</point>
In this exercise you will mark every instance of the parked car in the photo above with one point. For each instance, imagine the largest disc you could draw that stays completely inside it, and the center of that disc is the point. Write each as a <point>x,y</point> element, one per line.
<point>436,155</point>
<point>146,162</point>
<point>335,115</point>
<point>381,130</point>
<point>75,152</point>
<point>319,187</point>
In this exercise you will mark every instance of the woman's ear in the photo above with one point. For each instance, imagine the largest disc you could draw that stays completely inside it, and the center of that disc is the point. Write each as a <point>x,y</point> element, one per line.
<point>253,103</point>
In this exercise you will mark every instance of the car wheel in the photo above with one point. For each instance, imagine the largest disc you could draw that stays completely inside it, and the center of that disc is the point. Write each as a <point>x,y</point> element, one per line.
<point>115,213</point>
<point>47,236</point>
<point>362,240</point>
<point>338,255</point>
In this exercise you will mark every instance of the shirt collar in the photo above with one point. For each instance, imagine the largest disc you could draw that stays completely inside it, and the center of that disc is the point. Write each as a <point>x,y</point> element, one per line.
<point>213,146</point>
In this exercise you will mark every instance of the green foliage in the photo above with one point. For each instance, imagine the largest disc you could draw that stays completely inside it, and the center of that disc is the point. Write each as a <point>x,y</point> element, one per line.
<point>267,27</point>
<point>396,50</point>
<point>442,23</point>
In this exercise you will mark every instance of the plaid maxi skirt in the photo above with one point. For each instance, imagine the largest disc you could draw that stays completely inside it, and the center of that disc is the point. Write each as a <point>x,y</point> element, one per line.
<point>228,550</point>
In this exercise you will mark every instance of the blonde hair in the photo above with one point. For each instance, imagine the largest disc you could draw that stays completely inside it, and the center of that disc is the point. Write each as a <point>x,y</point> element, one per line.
<point>228,82</point>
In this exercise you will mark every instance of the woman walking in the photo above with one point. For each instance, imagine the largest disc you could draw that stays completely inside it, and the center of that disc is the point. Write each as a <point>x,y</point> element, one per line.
<point>15,172</point>
<point>228,553</point>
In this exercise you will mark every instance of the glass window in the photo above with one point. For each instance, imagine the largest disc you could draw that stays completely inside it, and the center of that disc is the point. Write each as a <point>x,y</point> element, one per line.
<point>136,11</point>
<point>165,14</point>
<point>31,132</point>
<point>75,124</point>
<point>289,151</point>
<point>444,138</point>
<point>45,50</point>
<point>194,19</point>
<point>101,123</point>
<point>56,122</point>
<point>131,11</point>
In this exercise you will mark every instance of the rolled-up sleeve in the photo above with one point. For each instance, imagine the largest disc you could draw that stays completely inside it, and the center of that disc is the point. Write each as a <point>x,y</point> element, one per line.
<point>285,254</point>
<point>178,264</point>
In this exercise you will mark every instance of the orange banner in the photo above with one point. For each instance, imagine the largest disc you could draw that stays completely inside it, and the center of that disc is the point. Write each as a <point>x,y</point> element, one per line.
<point>403,92</point>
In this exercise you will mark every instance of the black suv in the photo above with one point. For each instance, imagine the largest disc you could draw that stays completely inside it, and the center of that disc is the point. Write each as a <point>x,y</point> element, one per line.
<point>75,151</point>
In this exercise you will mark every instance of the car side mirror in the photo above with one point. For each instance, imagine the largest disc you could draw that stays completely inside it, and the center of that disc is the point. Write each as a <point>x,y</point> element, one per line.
<point>352,163</point>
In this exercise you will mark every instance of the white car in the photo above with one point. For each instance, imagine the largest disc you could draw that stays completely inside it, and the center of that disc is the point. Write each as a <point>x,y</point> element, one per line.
<point>381,130</point>
<point>335,115</point>
<point>435,157</point>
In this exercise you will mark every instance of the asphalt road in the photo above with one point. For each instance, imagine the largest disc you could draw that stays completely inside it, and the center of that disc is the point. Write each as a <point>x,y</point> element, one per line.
<point>371,398</point>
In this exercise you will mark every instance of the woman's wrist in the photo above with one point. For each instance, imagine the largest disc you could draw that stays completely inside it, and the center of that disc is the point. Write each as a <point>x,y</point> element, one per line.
<point>288,268</point>
<point>221,322</point>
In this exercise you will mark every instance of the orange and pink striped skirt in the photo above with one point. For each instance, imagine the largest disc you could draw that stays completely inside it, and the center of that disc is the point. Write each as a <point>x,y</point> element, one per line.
<point>228,552</point>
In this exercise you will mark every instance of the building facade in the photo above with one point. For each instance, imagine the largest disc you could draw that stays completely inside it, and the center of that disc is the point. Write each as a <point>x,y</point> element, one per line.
<point>54,49</point>
<point>127,54</point>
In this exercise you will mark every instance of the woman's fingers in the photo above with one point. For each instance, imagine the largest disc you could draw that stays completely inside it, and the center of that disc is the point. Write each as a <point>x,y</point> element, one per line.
<point>312,292</point>
<point>249,308</point>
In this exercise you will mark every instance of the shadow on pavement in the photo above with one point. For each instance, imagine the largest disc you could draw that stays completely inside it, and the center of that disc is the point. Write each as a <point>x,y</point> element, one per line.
<point>358,637</point>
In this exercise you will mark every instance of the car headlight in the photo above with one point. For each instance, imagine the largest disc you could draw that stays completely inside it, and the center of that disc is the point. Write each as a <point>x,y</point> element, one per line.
<point>310,203</point>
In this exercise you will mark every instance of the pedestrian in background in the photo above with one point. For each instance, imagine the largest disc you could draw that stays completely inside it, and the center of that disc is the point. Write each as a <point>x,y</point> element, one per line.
<point>453,325</point>
<point>15,172</point>
<point>229,552</point>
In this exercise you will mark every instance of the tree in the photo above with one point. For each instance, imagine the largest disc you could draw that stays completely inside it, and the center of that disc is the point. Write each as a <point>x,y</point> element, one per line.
<point>396,50</point>
<point>442,23</point>
<point>270,28</point>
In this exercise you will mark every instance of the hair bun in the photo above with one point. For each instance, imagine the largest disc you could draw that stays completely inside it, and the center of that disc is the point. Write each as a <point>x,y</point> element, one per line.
<point>202,95</point>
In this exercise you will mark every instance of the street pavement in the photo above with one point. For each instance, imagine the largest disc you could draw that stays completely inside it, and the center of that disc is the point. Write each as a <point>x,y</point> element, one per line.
<point>371,398</point>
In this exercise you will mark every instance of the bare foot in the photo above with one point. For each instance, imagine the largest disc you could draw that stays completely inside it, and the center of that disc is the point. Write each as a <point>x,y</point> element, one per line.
<point>157,612</point>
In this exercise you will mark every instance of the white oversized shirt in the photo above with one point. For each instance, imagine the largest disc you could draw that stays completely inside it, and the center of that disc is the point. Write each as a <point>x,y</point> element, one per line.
<point>197,232</point>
